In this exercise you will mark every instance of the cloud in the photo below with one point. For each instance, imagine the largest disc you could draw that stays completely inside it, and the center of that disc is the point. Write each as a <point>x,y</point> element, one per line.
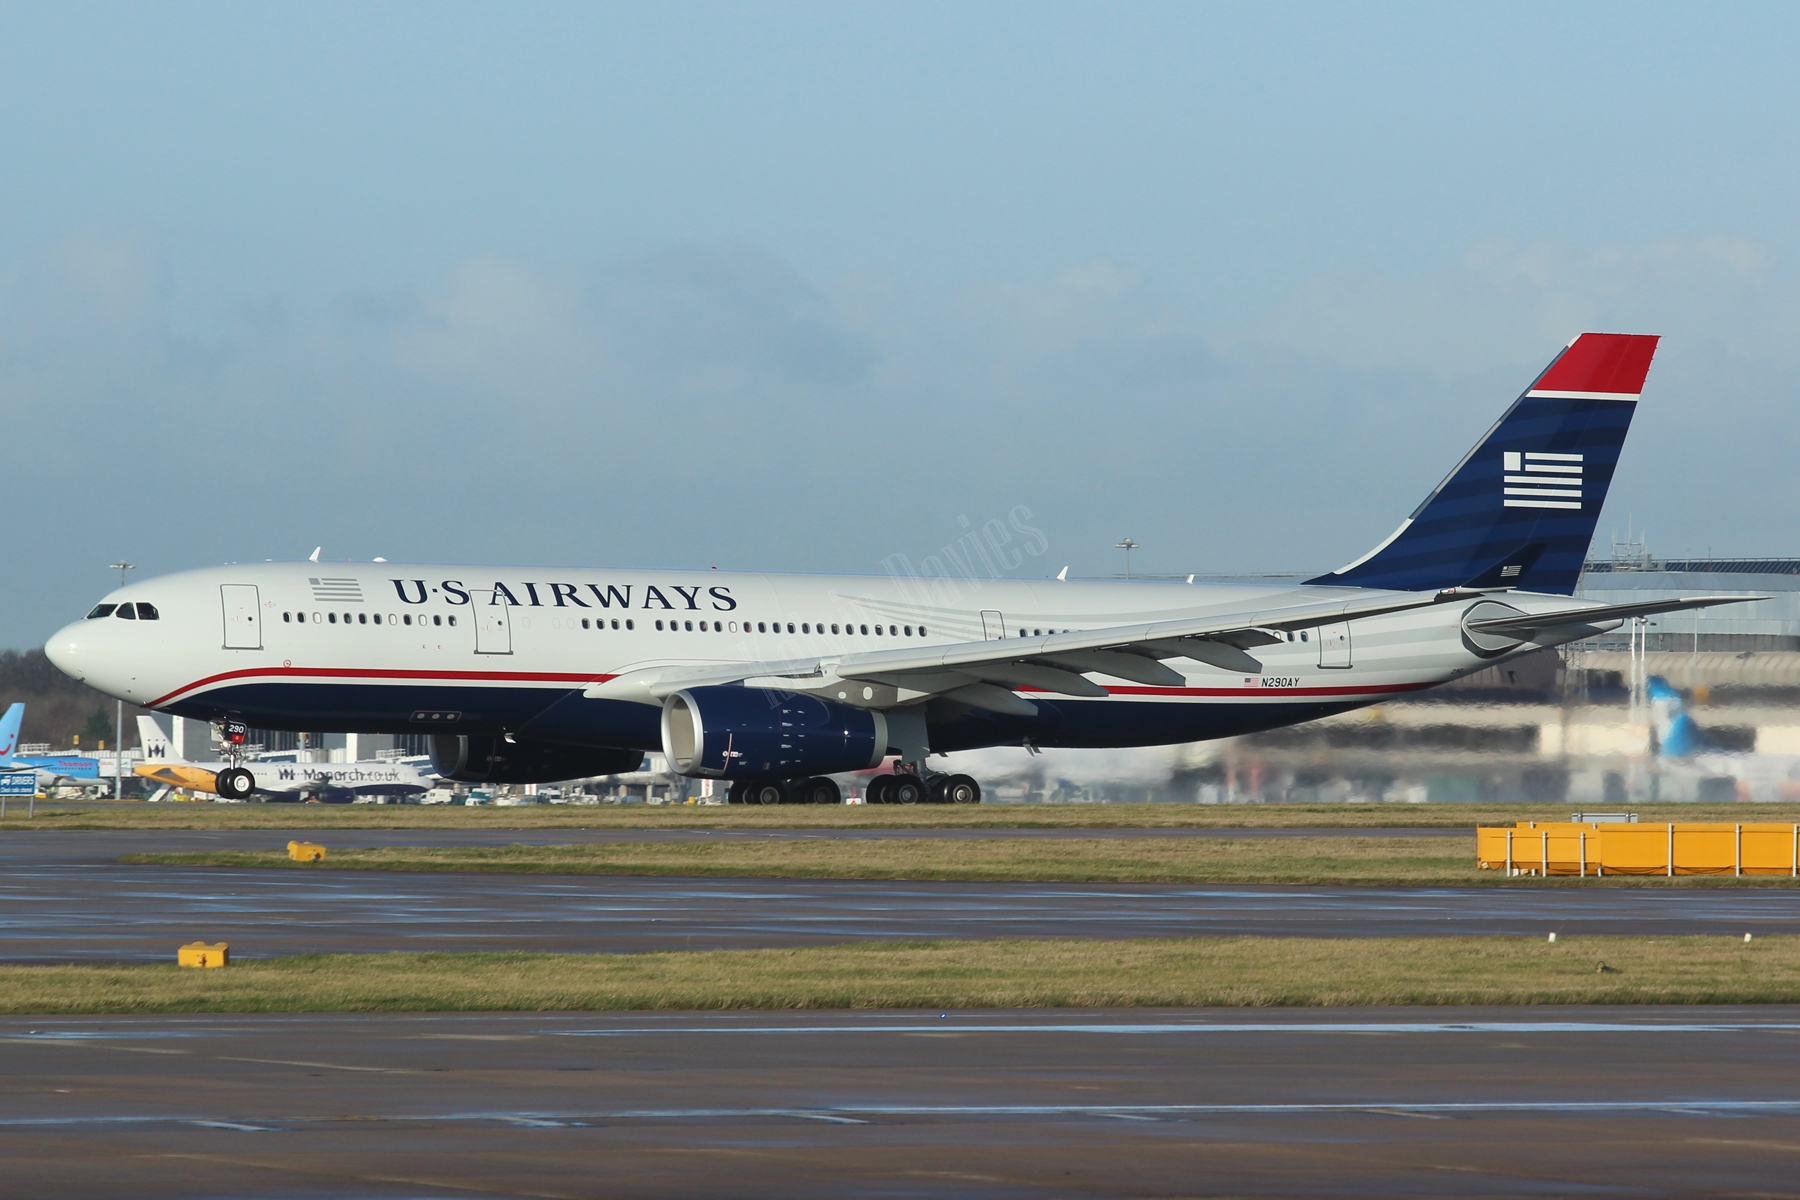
<point>1506,304</point>
<point>709,404</point>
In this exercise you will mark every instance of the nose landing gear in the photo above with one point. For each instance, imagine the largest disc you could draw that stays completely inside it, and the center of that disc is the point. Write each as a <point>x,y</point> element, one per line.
<point>235,783</point>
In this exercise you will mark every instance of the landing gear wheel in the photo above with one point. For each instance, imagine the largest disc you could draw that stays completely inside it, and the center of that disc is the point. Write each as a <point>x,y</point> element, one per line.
<point>738,793</point>
<point>767,791</point>
<point>880,790</point>
<point>819,790</point>
<point>936,788</point>
<point>906,789</point>
<point>961,789</point>
<point>234,783</point>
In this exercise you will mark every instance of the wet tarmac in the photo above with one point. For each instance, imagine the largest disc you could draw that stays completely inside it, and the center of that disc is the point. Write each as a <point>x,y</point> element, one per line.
<point>64,898</point>
<point>1466,1102</point>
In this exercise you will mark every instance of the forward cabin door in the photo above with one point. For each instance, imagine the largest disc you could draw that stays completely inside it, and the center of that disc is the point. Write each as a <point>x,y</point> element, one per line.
<point>243,616</point>
<point>993,625</point>
<point>493,624</point>
<point>1334,645</point>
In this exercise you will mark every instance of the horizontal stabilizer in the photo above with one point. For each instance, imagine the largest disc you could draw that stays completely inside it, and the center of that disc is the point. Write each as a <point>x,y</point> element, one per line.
<point>1527,623</point>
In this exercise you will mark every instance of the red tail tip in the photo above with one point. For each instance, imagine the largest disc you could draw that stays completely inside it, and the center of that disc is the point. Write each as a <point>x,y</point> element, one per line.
<point>1601,362</point>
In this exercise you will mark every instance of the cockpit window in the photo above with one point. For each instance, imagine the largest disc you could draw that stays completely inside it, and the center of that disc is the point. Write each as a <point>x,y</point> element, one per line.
<point>147,612</point>
<point>127,612</point>
<point>101,610</point>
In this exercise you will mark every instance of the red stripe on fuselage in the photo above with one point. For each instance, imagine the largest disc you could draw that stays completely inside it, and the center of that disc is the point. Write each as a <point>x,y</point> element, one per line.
<point>1370,689</point>
<point>1379,689</point>
<point>376,673</point>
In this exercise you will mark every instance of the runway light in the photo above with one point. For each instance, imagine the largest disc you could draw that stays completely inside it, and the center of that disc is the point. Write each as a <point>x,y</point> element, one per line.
<point>1553,939</point>
<point>1746,937</point>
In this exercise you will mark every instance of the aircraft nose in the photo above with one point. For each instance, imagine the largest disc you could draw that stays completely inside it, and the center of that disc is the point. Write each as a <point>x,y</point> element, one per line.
<point>64,652</point>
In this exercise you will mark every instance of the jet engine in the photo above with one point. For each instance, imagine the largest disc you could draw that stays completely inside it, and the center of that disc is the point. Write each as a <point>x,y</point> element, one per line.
<point>748,733</point>
<point>496,760</point>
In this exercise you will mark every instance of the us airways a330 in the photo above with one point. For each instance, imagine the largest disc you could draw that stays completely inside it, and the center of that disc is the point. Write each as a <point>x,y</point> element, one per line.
<point>774,682</point>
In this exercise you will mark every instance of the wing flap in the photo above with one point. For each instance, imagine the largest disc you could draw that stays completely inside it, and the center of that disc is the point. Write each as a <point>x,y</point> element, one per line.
<point>1120,664</point>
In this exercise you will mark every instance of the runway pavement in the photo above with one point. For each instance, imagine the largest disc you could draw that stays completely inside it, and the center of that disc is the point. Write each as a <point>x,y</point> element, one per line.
<point>1466,1102</point>
<point>63,898</point>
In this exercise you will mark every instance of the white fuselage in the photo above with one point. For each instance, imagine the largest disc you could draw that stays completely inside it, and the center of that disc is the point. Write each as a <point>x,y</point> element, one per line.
<point>383,647</point>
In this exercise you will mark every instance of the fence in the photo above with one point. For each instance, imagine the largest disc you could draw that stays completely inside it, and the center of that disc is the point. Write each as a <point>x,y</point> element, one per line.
<point>1584,849</point>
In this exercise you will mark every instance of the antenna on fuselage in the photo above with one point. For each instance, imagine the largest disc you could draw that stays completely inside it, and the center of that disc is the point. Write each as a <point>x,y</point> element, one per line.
<point>314,556</point>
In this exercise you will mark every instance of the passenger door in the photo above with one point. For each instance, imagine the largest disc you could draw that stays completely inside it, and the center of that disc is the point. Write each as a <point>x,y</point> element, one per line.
<point>243,616</point>
<point>993,625</point>
<point>1334,645</point>
<point>493,624</point>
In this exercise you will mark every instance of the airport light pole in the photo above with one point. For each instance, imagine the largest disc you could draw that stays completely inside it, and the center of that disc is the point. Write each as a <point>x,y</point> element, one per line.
<point>119,734</point>
<point>1127,546</point>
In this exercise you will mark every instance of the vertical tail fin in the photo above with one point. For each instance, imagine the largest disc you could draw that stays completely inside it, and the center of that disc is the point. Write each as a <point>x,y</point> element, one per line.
<point>9,730</point>
<point>1519,510</point>
<point>158,746</point>
<point>1678,735</point>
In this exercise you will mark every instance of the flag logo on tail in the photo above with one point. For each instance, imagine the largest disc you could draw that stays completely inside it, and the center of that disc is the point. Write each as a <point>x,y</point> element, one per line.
<point>1534,479</point>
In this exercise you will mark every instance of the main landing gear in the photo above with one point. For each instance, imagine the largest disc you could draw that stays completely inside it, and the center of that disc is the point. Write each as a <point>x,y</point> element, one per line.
<point>907,788</point>
<point>817,790</point>
<point>900,788</point>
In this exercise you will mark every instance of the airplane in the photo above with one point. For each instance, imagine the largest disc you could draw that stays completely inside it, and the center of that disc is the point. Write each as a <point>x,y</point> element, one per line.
<point>330,782</point>
<point>773,682</point>
<point>52,769</point>
<point>1693,765</point>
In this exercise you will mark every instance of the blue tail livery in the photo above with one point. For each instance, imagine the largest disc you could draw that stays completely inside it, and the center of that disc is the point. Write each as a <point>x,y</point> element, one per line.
<point>1519,510</point>
<point>1678,735</point>
<point>9,732</point>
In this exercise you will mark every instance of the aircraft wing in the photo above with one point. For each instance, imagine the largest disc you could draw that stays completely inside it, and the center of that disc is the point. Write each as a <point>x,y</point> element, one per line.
<point>1529,623</point>
<point>983,674</point>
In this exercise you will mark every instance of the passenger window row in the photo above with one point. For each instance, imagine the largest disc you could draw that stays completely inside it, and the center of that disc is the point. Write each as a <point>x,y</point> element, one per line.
<point>364,618</point>
<point>599,623</point>
<point>806,627</point>
<point>127,611</point>
<point>1037,632</point>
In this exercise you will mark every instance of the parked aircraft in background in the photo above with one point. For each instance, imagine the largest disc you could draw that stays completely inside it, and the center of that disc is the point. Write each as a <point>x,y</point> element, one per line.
<point>330,782</point>
<point>1693,766</point>
<point>52,769</point>
<point>528,675</point>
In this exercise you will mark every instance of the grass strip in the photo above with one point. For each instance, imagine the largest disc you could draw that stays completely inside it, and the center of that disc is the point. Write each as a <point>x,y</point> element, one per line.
<point>1376,861</point>
<point>1254,972</point>
<point>930,816</point>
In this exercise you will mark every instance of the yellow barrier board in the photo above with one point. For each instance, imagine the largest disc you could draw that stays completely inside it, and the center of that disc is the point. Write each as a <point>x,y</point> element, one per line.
<point>1679,848</point>
<point>306,852</point>
<point>201,954</point>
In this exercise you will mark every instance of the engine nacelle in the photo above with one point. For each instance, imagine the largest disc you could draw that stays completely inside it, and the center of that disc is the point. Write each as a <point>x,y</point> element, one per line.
<point>496,760</point>
<point>748,733</point>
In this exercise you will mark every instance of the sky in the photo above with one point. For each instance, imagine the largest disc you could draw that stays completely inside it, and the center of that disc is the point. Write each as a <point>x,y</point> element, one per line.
<point>803,287</point>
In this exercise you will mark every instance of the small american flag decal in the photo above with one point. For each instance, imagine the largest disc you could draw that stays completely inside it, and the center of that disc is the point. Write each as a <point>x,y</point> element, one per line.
<point>1536,479</point>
